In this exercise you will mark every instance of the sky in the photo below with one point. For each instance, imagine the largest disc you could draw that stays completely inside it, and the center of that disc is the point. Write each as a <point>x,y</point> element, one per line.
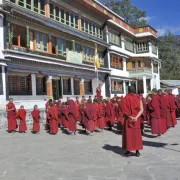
<point>163,15</point>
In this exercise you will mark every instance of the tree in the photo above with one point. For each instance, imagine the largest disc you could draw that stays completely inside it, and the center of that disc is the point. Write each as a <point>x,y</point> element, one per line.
<point>126,10</point>
<point>169,52</point>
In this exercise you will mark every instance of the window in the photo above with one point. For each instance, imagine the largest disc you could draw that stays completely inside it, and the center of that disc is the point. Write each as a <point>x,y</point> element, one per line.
<point>66,86</point>
<point>31,35</point>
<point>78,48</point>
<point>76,87</point>
<point>41,42</point>
<point>116,62</point>
<point>117,86</point>
<point>101,58</point>
<point>51,7</point>
<point>13,1</point>
<point>53,45</point>
<point>40,85</point>
<point>57,13</point>
<point>36,6</point>
<point>114,39</point>
<point>154,49</point>
<point>88,54</point>
<point>142,47</point>
<point>19,85</point>
<point>28,4</point>
<point>139,64</point>
<point>61,46</point>
<point>19,36</point>
<point>88,87</point>
<point>42,7</point>
<point>62,16</point>
<point>129,45</point>
<point>67,18</point>
<point>21,3</point>
<point>133,64</point>
<point>155,68</point>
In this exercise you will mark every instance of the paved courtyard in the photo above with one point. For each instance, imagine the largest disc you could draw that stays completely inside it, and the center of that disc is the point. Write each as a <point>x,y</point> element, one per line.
<point>61,157</point>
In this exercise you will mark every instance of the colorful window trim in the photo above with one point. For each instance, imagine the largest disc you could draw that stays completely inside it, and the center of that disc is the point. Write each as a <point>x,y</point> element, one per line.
<point>142,47</point>
<point>116,62</point>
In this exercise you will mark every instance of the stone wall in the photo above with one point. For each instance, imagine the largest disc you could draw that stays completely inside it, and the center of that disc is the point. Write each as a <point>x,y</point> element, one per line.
<point>29,120</point>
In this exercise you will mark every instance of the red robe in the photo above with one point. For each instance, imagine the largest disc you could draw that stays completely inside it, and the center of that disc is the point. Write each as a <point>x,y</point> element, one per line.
<point>173,108</point>
<point>36,120</point>
<point>120,118</point>
<point>47,115</point>
<point>72,116</point>
<point>11,116</point>
<point>163,108</point>
<point>77,103</point>
<point>148,112</point>
<point>131,134</point>
<point>22,118</point>
<point>53,114</point>
<point>155,115</point>
<point>89,112</point>
<point>95,117</point>
<point>64,116</point>
<point>109,114</point>
<point>98,93</point>
<point>101,115</point>
<point>169,120</point>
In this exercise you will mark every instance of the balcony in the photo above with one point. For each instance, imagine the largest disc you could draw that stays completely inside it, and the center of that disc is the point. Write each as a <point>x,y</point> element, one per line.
<point>139,72</point>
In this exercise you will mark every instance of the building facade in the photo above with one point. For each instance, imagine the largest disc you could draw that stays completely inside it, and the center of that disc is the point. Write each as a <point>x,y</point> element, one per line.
<point>47,50</point>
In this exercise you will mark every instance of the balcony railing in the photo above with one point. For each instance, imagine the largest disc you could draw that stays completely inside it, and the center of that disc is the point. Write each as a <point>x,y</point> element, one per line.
<point>140,70</point>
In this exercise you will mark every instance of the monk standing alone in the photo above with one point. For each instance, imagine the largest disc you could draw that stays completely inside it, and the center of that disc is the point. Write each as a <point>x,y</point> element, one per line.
<point>131,134</point>
<point>98,92</point>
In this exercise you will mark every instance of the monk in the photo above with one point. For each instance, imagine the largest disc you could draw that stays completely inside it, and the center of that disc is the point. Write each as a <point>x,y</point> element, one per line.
<point>77,103</point>
<point>11,116</point>
<point>131,134</point>
<point>119,112</point>
<point>64,115</point>
<point>72,117</point>
<point>109,114</point>
<point>58,103</point>
<point>54,116</point>
<point>47,116</point>
<point>148,100</point>
<point>143,116</point>
<point>95,116</point>
<point>101,115</point>
<point>177,101</point>
<point>172,107</point>
<point>163,108</point>
<point>36,119</point>
<point>155,114</point>
<point>98,92</point>
<point>89,113</point>
<point>22,117</point>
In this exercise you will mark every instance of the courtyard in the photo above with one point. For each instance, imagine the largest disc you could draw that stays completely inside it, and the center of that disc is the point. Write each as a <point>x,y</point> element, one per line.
<point>81,157</point>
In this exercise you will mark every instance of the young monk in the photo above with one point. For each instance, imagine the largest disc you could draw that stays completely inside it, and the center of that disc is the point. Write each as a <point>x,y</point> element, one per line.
<point>11,116</point>
<point>98,92</point>
<point>64,115</point>
<point>53,114</point>
<point>132,110</point>
<point>77,103</point>
<point>47,116</point>
<point>101,115</point>
<point>36,119</point>
<point>95,116</point>
<point>72,117</point>
<point>22,117</point>
<point>89,113</point>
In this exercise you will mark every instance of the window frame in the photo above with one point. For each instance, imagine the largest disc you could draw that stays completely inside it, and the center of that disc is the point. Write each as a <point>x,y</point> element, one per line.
<point>114,59</point>
<point>140,45</point>
<point>91,88</point>
<point>74,84</point>
<point>114,39</point>
<point>116,91</point>
<point>43,85</point>
<point>70,88</point>
<point>127,44</point>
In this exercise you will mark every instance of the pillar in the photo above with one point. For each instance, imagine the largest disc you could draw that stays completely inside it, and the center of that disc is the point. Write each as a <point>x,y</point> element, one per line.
<point>152,83</point>
<point>49,88</point>
<point>72,86</point>
<point>136,86</point>
<point>150,47</point>
<point>82,92</point>
<point>27,37</point>
<point>124,64</point>
<point>79,23</point>
<point>109,59</point>
<point>33,82</point>
<point>124,87</point>
<point>49,45</point>
<point>144,85</point>
<point>107,33</point>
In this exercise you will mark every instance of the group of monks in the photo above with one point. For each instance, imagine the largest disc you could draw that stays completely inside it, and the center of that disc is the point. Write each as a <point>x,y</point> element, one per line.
<point>128,114</point>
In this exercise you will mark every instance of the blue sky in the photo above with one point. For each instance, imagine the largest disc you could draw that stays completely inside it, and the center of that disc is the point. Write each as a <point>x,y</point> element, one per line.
<point>163,15</point>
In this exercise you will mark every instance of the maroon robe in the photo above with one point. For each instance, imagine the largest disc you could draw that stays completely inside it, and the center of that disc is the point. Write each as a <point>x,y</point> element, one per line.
<point>11,116</point>
<point>173,108</point>
<point>131,134</point>
<point>36,120</point>
<point>109,114</point>
<point>53,114</point>
<point>163,107</point>
<point>148,112</point>
<point>98,93</point>
<point>101,114</point>
<point>72,116</point>
<point>120,118</point>
<point>77,103</point>
<point>89,112</point>
<point>22,118</point>
<point>64,116</point>
<point>169,120</point>
<point>155,115</point>
<point>95,117</point>
<point>47,115</point>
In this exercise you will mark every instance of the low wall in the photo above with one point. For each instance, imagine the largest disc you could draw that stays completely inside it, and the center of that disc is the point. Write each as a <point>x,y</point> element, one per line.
<point>29,120</point>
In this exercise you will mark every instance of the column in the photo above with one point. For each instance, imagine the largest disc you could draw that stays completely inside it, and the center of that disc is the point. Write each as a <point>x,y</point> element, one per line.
<point>124,64</point>
<point>49,45</point>
<point>144,85</point>
<point>124,87</point>
<point>33,82</point>
<point>123,42</point>
<point>82,92</point>
<point>150,47</point>
<point>72,86</point>
<point>109,60</point>
<point>136,86</point>
<point>79,23</point>
<point>107,33</point>
<point>152,83</point>
<point>2,82</point>
<point>158,68</point>
<point>49,88</point>
<point>27,37</point>
<point>47,8</point>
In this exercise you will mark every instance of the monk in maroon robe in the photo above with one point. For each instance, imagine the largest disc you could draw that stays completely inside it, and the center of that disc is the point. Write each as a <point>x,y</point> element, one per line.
<point>109,114</point>
<point>163,108</point>
<point>148,100</point>
<point>36,119</point>
<point>101,116</point>
<point>155,114</point>
<point>47,106</point>
<point>95,117</point>
<point>58,103</point>
<point>177,101</point>
<point>72,117</point>
<point>11,116</point>
<point>89,113</point>
<point>98,92</point>
<point>120,117</point>
<point>77,103</point>
<point>132,110</point>
<point>172,107</point>
<point>64,115</point>
<point>22,117</point>
<point>54,116</point>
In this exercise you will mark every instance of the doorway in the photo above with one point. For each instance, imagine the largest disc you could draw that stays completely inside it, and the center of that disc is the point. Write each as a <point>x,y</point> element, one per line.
<point>56,88</point>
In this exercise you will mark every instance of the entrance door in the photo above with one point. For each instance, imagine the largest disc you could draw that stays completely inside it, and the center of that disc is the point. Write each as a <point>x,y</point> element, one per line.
<point>55,87</point>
